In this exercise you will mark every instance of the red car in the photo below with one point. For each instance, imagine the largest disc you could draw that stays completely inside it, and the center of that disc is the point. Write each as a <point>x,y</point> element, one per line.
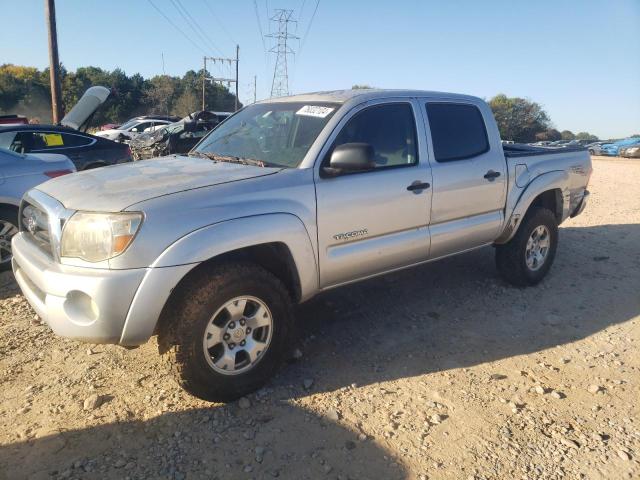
<point>13,120</point>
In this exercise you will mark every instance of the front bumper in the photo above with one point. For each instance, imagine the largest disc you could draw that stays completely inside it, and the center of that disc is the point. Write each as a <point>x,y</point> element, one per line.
<point>90,304</point>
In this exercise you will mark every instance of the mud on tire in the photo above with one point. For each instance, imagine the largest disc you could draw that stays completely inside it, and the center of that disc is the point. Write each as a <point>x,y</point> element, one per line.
<point>188,319</point>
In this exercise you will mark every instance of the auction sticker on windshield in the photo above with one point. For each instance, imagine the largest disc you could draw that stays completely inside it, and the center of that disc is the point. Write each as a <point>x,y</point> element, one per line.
<point>314,111</point>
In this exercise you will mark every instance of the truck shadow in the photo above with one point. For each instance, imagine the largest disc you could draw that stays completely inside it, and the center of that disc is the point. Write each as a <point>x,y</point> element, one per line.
<point>450,314</point>
<point>458,313</point>
<point>203,443</point>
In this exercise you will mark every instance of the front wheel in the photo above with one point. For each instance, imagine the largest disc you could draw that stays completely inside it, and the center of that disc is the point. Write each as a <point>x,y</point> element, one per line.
<point>228,331</point>
<point>8,228</point>
<point>528,256</point>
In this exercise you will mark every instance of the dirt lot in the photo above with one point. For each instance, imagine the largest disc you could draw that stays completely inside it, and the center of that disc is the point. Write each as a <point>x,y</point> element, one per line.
<point>442,371</point>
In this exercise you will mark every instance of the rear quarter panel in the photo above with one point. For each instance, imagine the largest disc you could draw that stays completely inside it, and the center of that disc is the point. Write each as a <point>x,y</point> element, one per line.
<point>575,169</point>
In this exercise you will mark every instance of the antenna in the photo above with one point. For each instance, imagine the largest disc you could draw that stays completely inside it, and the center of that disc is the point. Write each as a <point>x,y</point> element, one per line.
<point>280,84</point>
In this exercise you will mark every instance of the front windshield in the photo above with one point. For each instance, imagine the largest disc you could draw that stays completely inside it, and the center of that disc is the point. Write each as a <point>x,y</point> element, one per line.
<point>277,134</point>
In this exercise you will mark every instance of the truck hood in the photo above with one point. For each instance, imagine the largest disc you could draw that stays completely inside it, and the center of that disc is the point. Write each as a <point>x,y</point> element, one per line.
<point>114,188</point>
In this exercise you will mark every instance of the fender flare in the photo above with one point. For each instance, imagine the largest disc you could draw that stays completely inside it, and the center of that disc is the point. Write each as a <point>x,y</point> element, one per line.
<point>206,243</point>
<point>555,180</point>
<point>214,240</point>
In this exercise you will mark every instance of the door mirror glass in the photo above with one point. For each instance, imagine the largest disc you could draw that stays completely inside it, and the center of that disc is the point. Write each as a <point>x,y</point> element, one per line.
<point>351,157</point>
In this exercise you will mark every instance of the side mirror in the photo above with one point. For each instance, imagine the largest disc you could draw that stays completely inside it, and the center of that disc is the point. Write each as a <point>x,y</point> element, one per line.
<point>350,158</point>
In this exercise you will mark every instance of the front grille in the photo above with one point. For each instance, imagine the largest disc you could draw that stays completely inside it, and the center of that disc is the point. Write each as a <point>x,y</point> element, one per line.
<point>35,223</point>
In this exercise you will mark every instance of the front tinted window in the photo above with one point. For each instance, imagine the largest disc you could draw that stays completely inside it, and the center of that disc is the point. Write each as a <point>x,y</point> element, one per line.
<point>278,134</point>
<point>457,131</point>
<point>389,129</point>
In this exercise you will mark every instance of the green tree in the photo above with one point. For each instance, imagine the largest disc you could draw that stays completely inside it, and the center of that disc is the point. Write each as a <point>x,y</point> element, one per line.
<point>550,135</point>
<point>586,136</point>
<point>518,119</point>
<point>25,91</point>
<point>360,87</point>
<point>567,135</point>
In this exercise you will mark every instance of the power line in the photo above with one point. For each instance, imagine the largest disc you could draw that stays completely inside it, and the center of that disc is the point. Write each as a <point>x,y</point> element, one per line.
<point>301,11</point>
<point>313,15</point>
<point>255,6</point>
<point>194,25</point>
<point>176,27</point>
<point>220,22</point>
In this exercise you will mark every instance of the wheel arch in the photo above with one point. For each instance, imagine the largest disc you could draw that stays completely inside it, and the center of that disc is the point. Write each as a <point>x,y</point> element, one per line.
<point>549,191</point>
<point>277,242</point>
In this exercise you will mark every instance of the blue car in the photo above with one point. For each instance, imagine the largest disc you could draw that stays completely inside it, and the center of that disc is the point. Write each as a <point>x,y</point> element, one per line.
<point>613,149</point>
<point>19,173</point>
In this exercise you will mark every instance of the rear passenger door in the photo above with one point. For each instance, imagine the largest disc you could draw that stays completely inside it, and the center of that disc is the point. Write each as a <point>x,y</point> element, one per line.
<point>377,220</point>
<point>469,176</point>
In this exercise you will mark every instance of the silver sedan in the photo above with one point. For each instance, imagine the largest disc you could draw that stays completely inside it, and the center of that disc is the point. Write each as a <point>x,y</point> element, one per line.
<point>19,173</point>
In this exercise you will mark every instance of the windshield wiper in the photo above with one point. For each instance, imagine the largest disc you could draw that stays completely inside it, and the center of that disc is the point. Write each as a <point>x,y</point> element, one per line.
<point>230,159</point>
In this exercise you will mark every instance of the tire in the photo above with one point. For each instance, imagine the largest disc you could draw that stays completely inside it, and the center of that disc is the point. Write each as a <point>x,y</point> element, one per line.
<point>201,306</point>
<point>8,228</point>
<point>511,258</point>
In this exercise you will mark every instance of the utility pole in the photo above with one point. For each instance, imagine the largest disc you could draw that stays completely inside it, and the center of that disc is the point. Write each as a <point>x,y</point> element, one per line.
<point>228,81</point>
<point>204,80</point>
<point>237,61</point>
<point>280,83</point>
<point>255,87</point>
<point>54,62</point>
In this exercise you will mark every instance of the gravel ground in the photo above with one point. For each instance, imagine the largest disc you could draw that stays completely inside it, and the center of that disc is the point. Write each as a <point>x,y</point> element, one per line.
<point>442,371</point>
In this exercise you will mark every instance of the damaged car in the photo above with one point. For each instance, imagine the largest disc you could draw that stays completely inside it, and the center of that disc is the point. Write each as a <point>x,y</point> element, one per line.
<point>179,137</point>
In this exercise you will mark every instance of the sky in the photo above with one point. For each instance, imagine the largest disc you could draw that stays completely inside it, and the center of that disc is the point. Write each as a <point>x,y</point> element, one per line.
<point>580,59</point>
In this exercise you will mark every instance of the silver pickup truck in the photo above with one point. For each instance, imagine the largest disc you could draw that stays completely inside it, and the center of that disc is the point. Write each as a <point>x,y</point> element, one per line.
<point>283,200</point>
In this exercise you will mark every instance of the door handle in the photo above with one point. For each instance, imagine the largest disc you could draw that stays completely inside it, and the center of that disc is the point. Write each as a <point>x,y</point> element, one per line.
<point>418,186</point>
<point>491,175</point>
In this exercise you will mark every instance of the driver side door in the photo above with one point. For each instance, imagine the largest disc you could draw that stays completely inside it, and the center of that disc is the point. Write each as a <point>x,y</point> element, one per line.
<point>375,221</point>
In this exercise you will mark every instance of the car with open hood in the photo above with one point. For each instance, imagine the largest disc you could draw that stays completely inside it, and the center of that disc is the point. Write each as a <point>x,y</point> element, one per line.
<point>69,138</point>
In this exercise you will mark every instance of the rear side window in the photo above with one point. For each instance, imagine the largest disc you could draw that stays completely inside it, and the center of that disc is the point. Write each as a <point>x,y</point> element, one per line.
<point>72,140</point>
<point>457,131</point>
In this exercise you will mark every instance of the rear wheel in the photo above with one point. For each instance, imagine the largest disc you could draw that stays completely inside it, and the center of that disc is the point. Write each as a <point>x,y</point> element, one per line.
<point>528,256</point>
<point>227,331</point>
<point>8,228</point>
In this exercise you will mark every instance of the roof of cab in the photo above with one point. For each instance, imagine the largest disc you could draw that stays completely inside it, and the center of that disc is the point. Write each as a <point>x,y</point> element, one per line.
<point>365,94</point>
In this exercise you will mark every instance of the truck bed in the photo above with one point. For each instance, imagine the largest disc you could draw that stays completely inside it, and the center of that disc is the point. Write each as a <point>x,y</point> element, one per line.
<point>523,150</point>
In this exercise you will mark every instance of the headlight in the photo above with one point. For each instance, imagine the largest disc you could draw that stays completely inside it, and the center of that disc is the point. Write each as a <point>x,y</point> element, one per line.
<point>95,237</point>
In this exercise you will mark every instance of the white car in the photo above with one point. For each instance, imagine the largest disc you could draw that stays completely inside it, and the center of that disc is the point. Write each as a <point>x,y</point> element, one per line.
<point>131,128</point>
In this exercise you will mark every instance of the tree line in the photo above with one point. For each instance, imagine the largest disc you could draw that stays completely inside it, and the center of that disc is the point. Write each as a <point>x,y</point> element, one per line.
<point>25,91</point>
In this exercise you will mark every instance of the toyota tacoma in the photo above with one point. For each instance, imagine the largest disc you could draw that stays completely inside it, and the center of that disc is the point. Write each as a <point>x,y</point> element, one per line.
<point>287,198</point>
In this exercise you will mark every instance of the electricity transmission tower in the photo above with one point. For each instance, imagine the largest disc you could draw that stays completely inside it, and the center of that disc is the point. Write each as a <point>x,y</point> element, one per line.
<point>280,83</point>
